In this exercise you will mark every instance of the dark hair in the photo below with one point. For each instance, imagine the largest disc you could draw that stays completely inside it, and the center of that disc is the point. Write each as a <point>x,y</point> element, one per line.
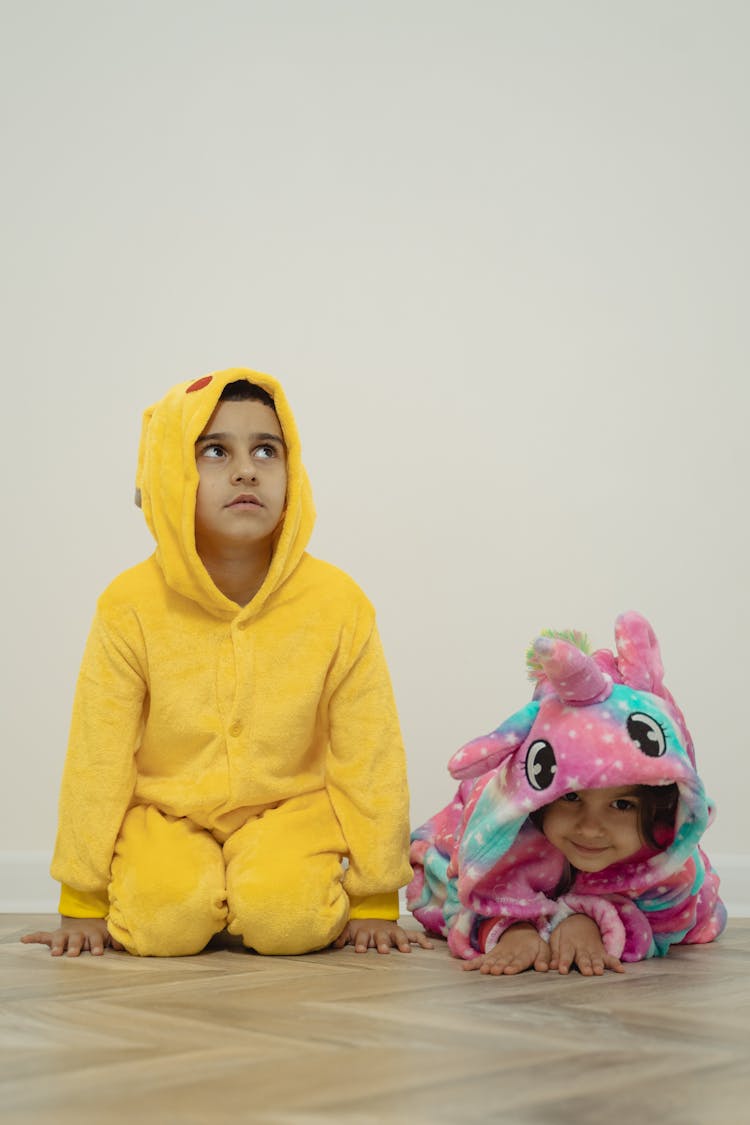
<point>242,390</point>
<point>657,807</point>
<point>656,810</point>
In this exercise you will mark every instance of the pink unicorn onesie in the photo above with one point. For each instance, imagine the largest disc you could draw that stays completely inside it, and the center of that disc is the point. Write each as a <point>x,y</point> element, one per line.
<point>595,721</point>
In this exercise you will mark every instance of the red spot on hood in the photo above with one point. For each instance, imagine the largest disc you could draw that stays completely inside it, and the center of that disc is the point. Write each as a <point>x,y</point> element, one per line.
<point>199,383</point>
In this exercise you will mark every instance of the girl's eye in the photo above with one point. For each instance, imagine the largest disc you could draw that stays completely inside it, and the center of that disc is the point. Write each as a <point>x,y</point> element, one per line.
<point>569,798</point>
<point>622,804</point>
<point>212,451</point>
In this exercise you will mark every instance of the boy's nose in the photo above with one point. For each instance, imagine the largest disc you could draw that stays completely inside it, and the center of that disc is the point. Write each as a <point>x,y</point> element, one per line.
<point>244,472</point>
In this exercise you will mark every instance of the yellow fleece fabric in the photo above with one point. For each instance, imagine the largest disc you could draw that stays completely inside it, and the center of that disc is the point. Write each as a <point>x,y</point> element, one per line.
<point>201,709</point>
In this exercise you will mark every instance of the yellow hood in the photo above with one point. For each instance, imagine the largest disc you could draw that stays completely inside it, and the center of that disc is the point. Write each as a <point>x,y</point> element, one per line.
<point>167,484</point>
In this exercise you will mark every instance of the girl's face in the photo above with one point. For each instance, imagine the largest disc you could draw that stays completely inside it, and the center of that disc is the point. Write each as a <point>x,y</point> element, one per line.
<point>594,828</point>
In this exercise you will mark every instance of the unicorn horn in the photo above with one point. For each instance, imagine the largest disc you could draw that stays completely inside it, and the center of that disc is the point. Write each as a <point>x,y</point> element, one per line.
<point>576,677</point>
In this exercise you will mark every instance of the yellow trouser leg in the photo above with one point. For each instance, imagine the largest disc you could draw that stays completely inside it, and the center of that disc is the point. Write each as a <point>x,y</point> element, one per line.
<point>284,877</point>
<point>168,891</point>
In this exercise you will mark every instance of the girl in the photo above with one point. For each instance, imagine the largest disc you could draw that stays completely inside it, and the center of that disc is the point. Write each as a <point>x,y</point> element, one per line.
<point>574,835</point>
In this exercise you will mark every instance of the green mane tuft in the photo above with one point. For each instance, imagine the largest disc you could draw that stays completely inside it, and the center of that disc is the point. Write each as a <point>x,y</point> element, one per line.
<point>572,636</point>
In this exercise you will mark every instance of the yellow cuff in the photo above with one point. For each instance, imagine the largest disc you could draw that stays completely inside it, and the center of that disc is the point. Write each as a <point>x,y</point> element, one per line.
<point>375,906</point>
<point>83,904</point>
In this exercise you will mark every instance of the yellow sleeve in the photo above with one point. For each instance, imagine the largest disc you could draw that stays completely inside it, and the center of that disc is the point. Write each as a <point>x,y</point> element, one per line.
<point>79,904</point>
<point>99,774</point>
<point>376,906</point>
<point>366,777</point>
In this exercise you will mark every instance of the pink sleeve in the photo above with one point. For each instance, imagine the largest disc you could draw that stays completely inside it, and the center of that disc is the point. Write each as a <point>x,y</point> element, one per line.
<point>626,932</point>
<point>472,934</point>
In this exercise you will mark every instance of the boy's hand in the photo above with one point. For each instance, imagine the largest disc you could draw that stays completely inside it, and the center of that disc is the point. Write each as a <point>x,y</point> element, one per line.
<point>519,948</point>
<point>577,941</point>
<point>75,935</point>
<point>382,935</point>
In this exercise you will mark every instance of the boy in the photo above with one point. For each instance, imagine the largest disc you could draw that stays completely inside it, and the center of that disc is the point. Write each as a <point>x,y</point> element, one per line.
<point>234,734</point>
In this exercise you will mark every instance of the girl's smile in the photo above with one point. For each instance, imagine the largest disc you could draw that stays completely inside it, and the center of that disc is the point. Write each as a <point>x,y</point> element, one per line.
<point>594,828</point>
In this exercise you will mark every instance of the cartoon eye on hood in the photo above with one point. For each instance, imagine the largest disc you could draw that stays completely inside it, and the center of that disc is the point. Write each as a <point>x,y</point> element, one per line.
<point>541,765</point>
<point>646,733</point>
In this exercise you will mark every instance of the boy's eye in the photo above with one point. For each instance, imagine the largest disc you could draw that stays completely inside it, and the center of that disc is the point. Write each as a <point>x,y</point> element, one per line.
<point>212,451</point>
<point>265,452</point>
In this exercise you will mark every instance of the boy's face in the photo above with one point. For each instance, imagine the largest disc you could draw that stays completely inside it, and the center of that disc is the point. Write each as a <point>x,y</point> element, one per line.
<point>594,828</point>
<point>241,460</point>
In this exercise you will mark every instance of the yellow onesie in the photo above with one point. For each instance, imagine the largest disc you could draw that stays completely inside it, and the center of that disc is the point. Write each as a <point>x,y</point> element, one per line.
<point>230,766</point>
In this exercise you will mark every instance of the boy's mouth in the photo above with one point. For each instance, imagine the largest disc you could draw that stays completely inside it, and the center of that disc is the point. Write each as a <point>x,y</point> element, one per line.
<point>246,500</point>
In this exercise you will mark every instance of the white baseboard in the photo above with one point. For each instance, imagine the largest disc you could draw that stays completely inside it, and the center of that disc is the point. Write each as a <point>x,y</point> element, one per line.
<point>26,886</point>
<point>734,871</point>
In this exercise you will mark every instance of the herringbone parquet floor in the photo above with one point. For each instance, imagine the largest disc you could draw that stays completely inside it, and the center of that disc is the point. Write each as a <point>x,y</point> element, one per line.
<point>342,1037</point>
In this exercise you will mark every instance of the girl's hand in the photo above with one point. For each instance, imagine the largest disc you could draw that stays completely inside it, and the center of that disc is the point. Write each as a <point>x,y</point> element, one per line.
<point>519,948</point>
<point>364,933</point>
<point>75,935</point>
<point>577,941</point>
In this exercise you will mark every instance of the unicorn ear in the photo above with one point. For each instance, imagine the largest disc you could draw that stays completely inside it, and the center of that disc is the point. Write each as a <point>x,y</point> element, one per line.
<point>485,753</point>
<point>639,663</point>
<point>639,658</point>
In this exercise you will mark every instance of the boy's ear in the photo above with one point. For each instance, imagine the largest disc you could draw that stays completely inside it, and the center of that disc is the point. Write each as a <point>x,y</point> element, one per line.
<point>485,753</point>
<point>638,655</point>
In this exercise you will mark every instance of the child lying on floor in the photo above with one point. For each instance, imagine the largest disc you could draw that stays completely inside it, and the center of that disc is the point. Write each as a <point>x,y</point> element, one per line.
<point>574,836</point>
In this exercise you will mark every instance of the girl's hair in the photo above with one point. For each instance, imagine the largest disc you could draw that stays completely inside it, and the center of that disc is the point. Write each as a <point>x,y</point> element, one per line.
<point>657,807</point>
<point>242,390</point>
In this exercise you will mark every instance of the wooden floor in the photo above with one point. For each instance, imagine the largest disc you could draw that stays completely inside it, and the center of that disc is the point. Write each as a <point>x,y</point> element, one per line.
<point>337,1036</point>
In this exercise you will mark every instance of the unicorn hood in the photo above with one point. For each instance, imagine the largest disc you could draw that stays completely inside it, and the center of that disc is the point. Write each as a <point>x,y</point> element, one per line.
<point>596,721</point>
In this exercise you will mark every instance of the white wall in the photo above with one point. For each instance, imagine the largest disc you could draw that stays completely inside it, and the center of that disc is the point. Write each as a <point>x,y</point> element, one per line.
<point>498,253</point>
